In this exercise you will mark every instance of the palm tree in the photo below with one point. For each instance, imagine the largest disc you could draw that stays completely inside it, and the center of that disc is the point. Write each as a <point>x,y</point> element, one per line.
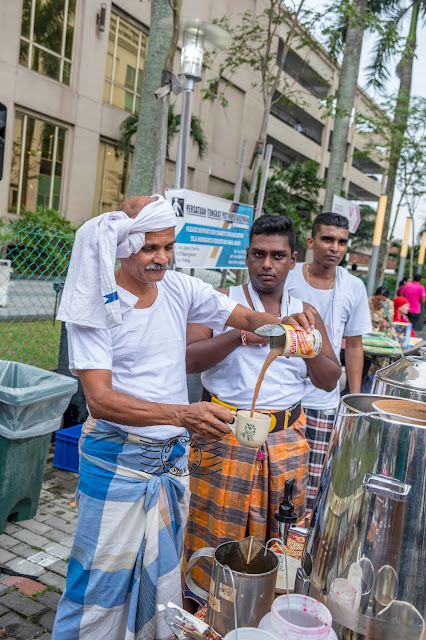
<point>394,12</point>
<point>351,29</point>
<point>129,126</point>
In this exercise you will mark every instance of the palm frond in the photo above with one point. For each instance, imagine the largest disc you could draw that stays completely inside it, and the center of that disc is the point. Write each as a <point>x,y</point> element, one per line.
<point>386,47</point>
<point>383,7</point>
<point>198,137</point>
<point>127,128</point>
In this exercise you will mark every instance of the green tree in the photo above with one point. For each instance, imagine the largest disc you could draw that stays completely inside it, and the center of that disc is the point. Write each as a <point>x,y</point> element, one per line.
<point>290,191</point>
<point>361,239</point>
<point>294,191</point>
<point>38,242</point>
<point>411,169</point>
<point>389,44</point>
<point>148,135</point>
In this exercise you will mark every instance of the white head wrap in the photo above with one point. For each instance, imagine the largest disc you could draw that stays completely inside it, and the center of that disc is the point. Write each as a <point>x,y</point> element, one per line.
<point>90,297</point>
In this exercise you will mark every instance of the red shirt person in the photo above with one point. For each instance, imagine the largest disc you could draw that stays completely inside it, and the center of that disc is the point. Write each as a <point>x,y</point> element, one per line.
<point>415,294</point>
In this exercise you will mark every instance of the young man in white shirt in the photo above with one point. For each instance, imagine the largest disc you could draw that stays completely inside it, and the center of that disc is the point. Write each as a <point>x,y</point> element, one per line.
<point>245,488</point>
<point>341,300</point>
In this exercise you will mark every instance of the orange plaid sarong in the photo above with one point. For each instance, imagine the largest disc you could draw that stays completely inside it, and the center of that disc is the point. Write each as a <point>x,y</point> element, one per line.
<point>234,499</point>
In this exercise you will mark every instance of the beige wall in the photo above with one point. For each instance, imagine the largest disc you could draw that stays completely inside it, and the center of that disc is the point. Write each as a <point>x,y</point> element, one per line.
<point>81,110</point>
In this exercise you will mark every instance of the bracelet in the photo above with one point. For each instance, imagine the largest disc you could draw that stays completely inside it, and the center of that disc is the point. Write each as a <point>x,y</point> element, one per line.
<point>243,338</point>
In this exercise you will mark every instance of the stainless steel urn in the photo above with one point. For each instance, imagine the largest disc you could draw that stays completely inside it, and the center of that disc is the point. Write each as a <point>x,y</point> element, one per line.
<point>365,555</point>
<point>405,378</point>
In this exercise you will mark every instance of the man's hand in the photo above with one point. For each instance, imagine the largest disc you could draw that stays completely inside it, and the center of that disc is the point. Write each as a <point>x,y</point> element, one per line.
<point>207,419</point>
<point>254,339</point>
<point>304,320</point>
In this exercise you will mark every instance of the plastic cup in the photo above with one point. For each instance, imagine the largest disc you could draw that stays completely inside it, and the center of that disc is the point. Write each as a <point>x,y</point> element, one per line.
<point>250,633</point>
<point>309,619</point>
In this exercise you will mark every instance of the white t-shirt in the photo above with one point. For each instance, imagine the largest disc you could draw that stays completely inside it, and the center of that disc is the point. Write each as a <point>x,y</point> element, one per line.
<point>345,312</point>
<point>146,354</point>
<point>234,378</point>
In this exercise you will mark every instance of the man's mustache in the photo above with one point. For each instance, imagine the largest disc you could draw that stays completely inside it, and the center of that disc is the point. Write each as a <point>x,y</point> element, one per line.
<point>157,267</point>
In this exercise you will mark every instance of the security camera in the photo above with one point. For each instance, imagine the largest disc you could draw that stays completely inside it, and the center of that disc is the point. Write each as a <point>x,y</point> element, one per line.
<point>162,92</point>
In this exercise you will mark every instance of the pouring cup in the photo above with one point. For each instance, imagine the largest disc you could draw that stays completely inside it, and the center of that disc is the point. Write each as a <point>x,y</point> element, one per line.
<point>250,432</point>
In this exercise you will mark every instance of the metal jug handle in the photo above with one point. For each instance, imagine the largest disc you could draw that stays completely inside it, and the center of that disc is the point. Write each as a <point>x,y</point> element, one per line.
<point>206,552</point>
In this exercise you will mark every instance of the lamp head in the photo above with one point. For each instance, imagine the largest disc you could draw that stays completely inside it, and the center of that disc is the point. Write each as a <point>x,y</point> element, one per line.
<point>191,62</point>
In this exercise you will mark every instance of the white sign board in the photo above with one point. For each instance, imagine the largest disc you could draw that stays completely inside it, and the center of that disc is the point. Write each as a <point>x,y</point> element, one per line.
<point>346,208</point>
<point>211,232</point>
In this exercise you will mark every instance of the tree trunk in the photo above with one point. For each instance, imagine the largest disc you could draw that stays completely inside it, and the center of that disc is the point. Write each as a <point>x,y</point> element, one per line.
<point>402,108</point>
<point>162,146</point>
<point>259,156</point>
<point>345,102</point>
<point>168,66</point>
<point>148,133</point>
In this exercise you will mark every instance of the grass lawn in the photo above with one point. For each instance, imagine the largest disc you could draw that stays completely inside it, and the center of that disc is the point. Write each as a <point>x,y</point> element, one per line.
<point>35,343</point>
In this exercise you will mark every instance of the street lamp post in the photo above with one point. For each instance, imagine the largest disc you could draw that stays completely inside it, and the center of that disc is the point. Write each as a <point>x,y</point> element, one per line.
<point>377,238</point>
<point>190,67</point>
<point>421,258</point>
<point>404,251</point>
<point>196,36</point>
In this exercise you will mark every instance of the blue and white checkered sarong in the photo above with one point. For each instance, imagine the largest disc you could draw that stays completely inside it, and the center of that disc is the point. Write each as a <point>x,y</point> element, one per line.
<point>129,540</point>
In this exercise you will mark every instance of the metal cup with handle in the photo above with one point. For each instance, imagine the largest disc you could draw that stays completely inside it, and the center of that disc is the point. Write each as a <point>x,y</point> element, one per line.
<point>255,577</point>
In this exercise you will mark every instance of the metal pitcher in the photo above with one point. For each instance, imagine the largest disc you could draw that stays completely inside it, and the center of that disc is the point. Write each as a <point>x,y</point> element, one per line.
<point>254,569</point>
<point>370,511</point>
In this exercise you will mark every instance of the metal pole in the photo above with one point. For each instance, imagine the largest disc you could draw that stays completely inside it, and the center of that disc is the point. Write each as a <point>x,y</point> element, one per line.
<point>181,168</point>
<point>377,238</point>
<point>372,271</point>
<point>422,251</point>
<point>262,188</point>
<point>239,183</point>
<point>237,195</point>
<point>401,270</point>
<point>404,251</point>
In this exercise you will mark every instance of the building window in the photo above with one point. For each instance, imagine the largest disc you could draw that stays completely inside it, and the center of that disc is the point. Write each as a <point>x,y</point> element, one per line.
<point>37,164</point>
<point>47,37</point>
<point>125,62</point>
<point>112,178</point>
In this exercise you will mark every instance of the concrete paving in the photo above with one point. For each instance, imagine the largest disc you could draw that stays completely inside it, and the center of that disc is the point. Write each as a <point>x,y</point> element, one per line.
<point>39,549</point>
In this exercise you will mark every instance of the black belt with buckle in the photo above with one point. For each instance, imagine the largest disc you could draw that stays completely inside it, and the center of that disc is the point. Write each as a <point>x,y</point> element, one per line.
<point>280,416</point>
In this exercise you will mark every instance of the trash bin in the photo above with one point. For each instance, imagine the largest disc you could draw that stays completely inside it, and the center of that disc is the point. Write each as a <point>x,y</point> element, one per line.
<point>32,402</point>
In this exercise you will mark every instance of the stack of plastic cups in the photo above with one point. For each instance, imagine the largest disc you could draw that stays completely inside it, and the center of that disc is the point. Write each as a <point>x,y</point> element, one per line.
<point>309,619</point>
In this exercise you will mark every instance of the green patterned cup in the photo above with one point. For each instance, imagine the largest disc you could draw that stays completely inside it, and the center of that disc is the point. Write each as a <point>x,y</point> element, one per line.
<point>251,432</point>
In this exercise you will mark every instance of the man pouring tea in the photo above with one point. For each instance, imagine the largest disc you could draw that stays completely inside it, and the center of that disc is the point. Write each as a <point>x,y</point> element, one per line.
<point>127,339</point>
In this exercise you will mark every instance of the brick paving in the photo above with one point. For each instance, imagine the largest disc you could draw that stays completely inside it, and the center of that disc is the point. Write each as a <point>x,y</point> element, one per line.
<point>38,548</point>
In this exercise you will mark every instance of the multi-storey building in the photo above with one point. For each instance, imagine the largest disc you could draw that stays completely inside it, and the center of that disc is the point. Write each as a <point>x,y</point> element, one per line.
<point>67,86</point>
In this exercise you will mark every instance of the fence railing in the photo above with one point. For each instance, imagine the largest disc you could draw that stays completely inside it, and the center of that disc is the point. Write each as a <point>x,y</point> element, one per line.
<point>33,266</point>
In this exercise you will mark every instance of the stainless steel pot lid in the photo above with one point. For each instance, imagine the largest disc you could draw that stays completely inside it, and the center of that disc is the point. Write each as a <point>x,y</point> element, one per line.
<point>407,372</point>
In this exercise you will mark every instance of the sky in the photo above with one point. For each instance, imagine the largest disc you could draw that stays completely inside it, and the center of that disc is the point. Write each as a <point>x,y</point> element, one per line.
<point>418,88</point>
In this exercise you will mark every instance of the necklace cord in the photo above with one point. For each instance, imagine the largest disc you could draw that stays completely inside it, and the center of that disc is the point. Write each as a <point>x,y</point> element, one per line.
<point>307,278</point>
